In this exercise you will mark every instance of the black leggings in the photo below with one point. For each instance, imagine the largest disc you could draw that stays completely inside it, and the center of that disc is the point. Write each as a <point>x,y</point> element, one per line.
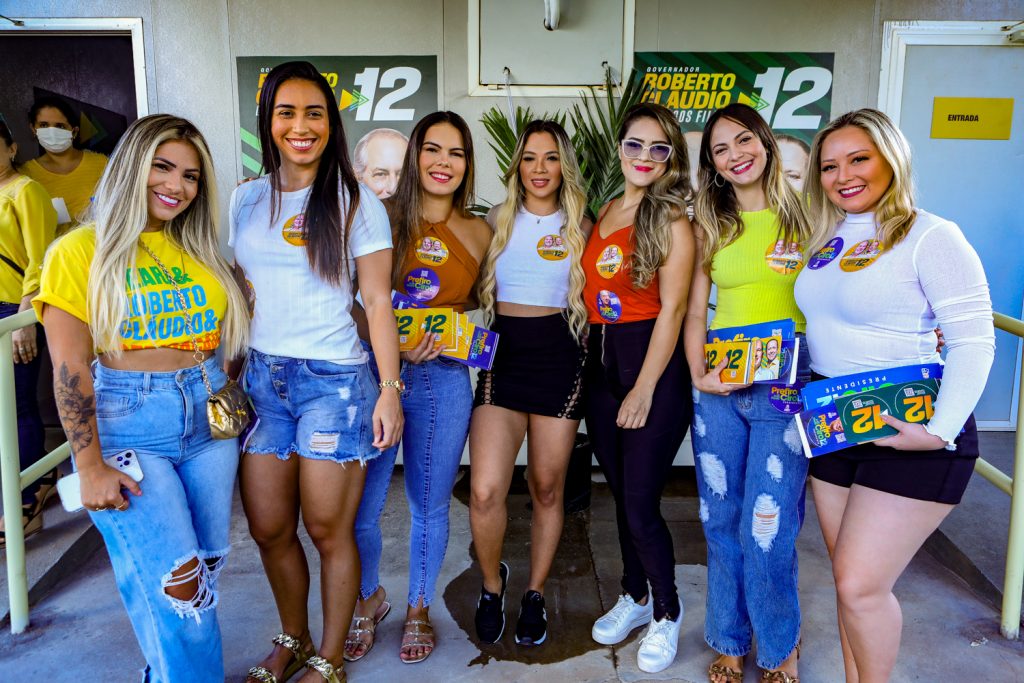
<point>636,462</point>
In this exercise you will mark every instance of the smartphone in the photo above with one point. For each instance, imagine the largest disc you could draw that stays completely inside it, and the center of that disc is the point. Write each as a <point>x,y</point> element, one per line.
<point>70,488</point>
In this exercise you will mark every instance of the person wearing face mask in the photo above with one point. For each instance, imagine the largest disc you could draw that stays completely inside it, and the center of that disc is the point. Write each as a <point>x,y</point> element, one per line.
<point>68,173</point>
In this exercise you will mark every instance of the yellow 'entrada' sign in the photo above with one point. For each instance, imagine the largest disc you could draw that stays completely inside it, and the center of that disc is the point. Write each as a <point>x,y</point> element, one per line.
<point>972,118</point>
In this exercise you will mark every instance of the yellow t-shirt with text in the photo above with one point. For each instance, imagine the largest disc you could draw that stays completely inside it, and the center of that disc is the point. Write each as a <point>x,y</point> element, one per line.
<point>154,316</point>
<point>75,188</point>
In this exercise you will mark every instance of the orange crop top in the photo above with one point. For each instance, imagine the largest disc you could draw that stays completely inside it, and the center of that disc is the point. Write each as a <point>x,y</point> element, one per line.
<point>609,292</point>
<point>437,270</point>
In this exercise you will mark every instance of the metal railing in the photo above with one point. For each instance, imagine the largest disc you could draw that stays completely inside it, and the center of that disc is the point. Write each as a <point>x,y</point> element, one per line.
<point>1013,583</point>
<point>11,476</point>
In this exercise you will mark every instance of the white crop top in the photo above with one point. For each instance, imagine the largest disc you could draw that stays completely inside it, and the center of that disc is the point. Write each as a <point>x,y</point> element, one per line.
<point>883,314</point>
<point>534,267</point>
<point>296,313</point>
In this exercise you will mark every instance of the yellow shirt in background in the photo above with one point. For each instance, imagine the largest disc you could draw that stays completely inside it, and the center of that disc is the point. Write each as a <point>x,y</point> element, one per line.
<point>75,188</point>
<point>27,225</point>
<point>153,316</point>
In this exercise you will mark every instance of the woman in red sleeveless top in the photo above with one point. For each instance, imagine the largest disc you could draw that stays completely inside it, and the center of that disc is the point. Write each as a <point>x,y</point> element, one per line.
<point>638,264</point>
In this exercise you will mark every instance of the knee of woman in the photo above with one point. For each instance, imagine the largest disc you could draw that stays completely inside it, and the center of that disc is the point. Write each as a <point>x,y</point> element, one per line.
<point>853,588</point>
<point>189,586</point>
<point>547,494</point>
<point>485,498</point>
<point>270,535</point>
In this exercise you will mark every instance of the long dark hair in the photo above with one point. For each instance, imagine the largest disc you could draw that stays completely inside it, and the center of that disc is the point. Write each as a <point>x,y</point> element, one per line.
<point>404,207</point>
<point>326,235</point>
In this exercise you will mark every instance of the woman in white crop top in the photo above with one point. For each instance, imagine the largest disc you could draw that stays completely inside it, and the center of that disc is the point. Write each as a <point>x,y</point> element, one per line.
<point>531,293</point>
<point>884,274</point>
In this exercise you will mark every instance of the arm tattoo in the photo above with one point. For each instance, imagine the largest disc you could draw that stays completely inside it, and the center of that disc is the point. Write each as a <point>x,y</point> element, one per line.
<point>75,409</point>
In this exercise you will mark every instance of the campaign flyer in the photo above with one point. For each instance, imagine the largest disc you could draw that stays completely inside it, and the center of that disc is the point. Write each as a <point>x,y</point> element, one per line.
<point>823,392</point>
<point>413,323</point>
<point>820,431</point>
<point>861,413</point>
<point>476,349</point>
<point>770,352</point>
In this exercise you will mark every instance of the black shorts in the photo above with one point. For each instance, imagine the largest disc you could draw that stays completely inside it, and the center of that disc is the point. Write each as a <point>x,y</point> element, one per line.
<point>538,368</point>
<point>938,476</point>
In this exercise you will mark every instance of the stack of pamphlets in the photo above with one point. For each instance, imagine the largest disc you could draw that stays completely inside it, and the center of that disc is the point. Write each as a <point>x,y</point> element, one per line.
<point>466,342</point>
<point>840,412</point>
<point>763,353</point>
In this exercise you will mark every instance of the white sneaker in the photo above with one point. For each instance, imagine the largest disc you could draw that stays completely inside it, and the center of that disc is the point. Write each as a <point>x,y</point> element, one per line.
<point>613,627</point>
<point>658,646</point>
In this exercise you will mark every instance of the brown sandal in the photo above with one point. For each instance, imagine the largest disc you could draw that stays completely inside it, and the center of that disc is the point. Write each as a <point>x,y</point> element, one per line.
<point>415,636</point>
<point>778,676</point>
<point>731,675</point>
<point>357,629</point>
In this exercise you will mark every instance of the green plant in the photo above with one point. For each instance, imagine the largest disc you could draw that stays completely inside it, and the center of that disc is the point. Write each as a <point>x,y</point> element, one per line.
<point>596,121</point>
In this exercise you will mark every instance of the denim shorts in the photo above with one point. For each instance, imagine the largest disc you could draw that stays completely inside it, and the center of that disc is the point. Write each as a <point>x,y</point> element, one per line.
<point>318,409</point>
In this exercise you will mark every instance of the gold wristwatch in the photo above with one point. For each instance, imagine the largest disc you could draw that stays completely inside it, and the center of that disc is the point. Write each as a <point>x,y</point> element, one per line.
<point>397,384</point>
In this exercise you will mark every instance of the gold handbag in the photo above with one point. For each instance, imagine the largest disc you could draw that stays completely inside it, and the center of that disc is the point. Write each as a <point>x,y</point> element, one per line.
<point>227,410</point>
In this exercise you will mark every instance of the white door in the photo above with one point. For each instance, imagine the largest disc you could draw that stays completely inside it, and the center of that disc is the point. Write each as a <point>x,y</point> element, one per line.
<point>978,184</point>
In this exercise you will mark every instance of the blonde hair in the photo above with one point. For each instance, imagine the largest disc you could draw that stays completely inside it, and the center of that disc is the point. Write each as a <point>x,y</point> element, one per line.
<point>717,210</point>
<point>663,202</point>
<point>120,214</point>
<point>572,199</point>
<point>894,212</point>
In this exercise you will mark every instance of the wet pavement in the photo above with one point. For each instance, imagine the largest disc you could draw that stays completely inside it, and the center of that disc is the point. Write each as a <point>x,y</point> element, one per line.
<point>81,633</point>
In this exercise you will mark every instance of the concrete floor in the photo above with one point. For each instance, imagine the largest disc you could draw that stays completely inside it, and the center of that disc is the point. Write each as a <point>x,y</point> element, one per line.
<point>80,631</point>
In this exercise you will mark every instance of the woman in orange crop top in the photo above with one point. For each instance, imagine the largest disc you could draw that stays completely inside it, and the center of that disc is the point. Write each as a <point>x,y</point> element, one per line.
<point>438,248</point>
<point>146,285</point>
<point>638,264</point>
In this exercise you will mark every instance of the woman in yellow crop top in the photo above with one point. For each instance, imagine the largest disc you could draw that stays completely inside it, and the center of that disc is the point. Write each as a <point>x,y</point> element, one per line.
<point>145,287</point>
<point>68,173</point>
<point>750,226</point>
<point>27,222</point>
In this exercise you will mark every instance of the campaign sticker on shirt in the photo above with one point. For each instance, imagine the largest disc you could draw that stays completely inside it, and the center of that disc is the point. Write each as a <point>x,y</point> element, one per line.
<point>609,262</point>
<point>861,255</point>
<point>784,258</point>
<point>422,284</point>
<point>432,252</point>
<point>552,248</point>
<point>294,231</point>
<point>608,306</point>
<point>827,254</point>
<point>785,399</point>
<point>250,297</point>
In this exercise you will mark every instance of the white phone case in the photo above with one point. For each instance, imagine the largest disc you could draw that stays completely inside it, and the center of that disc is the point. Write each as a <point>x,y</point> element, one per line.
<point>70,488</point>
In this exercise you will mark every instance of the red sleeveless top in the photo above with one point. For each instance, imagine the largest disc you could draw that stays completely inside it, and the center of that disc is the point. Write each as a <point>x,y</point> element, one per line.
<point>609,292</point>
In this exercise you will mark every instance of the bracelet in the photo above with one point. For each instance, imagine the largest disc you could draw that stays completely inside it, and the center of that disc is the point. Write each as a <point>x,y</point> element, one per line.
<point>396,384</point>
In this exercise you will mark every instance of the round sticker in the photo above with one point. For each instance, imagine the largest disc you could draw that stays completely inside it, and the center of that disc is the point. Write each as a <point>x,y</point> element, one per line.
<point>250,297</point>
<point>861,255</point>
<point>784,258</point>
<point>552,248</point>
<point>608,306</point>
<point>422,284</point>
<point>294,231</point>
<point>785,399</point>
<point>609,262</point>
<point>827,254</point>
<point>431,251</point>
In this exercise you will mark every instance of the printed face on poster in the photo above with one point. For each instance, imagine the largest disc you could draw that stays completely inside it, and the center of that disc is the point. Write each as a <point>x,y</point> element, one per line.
<point>792,91</point>
<point>379,98</point>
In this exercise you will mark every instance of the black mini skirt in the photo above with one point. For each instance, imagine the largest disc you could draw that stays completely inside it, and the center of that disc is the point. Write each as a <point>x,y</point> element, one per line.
<point>538,368</point>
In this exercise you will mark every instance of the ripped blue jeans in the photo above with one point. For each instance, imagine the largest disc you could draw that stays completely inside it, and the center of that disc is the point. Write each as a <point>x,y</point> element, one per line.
<point>751,478</point>
<point>183,514</point>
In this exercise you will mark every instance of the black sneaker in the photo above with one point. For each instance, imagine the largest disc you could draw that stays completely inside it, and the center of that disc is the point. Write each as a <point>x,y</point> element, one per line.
<point>532,628</point>
<point>490,610</point>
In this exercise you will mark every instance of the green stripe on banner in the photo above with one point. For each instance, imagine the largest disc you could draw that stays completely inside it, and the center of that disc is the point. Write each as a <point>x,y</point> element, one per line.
<point>250,139</point>
<point>250,164</point>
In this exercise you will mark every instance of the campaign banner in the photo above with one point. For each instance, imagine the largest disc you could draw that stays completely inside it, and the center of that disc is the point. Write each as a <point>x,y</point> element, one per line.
<point>386,94</point>
<point>791,90</point>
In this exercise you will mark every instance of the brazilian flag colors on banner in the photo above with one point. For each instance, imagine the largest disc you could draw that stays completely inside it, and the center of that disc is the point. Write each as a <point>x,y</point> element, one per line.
<point>373,92</point>
<point>791,90</point>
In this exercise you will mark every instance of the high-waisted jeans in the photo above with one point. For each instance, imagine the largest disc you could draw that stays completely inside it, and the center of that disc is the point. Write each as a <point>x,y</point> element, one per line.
<point>31,435</point>
<point>437,403</point>
<point>184,513</point>
<point>751,477</point>
<point>636,462</point>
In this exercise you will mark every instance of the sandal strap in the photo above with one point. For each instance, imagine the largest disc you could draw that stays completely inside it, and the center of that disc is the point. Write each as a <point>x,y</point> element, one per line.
<point>290,642</point>
<point>322,667</point>
<point>778,677</point>
<point>262,674</point>
<point>731,675</point>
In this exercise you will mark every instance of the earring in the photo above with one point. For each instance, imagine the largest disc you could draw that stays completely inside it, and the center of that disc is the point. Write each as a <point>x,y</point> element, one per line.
<point>716,179</point>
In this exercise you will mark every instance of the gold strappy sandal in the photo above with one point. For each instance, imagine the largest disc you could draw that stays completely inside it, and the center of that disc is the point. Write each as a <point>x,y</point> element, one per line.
<point>782,676</point>
<point>264,675</point>
<point>412,638</point>
<point>356,630</point>
<point>326,669</point>
<point>731,675</point>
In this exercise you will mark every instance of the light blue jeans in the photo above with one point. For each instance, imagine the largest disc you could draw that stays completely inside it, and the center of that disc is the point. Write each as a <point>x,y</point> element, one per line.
<point>437,403</point>
<point>184,513</point>
<point>751,478</point>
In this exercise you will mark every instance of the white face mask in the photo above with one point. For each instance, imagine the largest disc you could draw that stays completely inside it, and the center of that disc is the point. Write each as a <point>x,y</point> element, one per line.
<point>55,140</point>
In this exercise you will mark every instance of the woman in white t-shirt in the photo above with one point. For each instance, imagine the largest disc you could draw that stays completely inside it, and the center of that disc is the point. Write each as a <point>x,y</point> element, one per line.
<point>298,232</point>
<point>884,275</point>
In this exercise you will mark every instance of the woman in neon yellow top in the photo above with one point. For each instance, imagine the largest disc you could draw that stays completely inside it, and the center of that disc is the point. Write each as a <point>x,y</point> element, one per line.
<point>146,287</point>
<point>69,174</point>
<point>27,222</point>
<point>751,471</point>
